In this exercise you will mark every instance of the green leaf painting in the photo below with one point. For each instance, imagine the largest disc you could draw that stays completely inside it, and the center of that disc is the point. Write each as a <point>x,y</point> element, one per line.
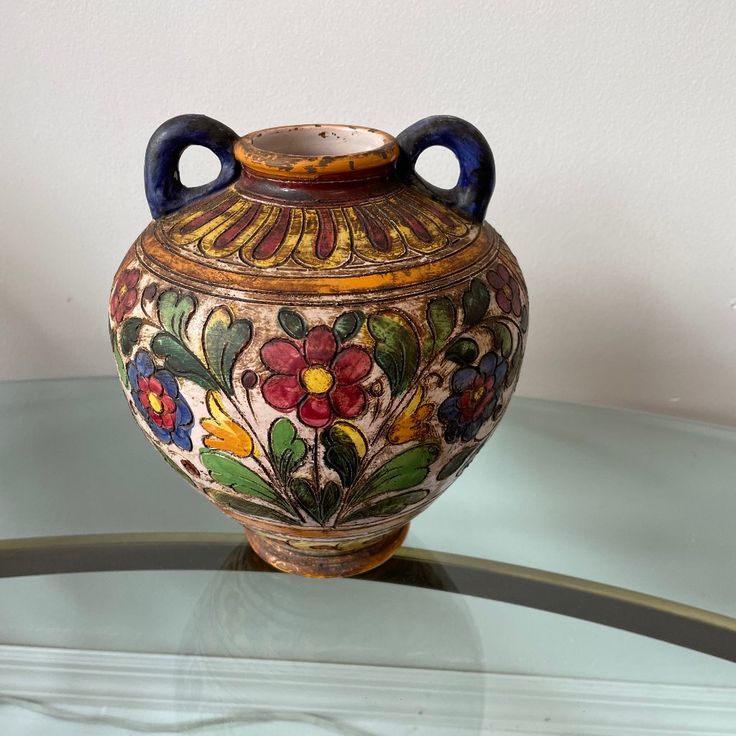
<point>388,506</point>
<point>228,471</point>
<point>288,451</point>
<point>119,363</point>
<point>476,300</point>
<point>341,454</point>
<point>515,365</point>
<point>348,324</point>
<point>503,340</point>
<point>243,506</point>
<point>292,323</point>
<point>129,332</point>
<point>305,495</point>
<point>319,505</point>
<point>457,461</point>
<point>181,361</point>
<point>463,351</point>
<point>330,500</point>
<point>396,349</point>
<point>175,310</point>
<point>223,340</point>
<point>441,317</point>
<point>405,470</point>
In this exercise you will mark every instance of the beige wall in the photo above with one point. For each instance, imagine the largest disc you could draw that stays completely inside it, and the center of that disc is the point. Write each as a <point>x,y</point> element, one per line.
<point>613,125</point>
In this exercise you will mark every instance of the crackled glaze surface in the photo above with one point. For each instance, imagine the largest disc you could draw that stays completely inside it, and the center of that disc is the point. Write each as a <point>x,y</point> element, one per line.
<point>321,416</point>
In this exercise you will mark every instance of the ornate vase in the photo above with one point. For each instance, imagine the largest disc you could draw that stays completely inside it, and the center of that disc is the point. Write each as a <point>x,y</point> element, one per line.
<point>319,340</point>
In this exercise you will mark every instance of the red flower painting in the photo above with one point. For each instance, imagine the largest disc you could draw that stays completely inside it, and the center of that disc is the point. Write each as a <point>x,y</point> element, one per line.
<point>316,377</point>
<point>507,290</point>
<point>125,294</point>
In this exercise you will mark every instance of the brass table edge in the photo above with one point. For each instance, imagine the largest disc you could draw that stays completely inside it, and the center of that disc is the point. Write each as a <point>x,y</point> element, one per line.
<point>659,618</point>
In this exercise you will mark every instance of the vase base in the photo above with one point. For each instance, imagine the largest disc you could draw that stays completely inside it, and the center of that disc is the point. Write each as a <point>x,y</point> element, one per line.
<point>320,558</point>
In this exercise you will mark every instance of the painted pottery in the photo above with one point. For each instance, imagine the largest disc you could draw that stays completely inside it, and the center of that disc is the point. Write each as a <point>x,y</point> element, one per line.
<point>319,340</point>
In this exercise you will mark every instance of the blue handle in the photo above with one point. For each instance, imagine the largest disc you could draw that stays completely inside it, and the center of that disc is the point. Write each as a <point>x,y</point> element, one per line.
<point>472,193</point>
<point>164,191</point>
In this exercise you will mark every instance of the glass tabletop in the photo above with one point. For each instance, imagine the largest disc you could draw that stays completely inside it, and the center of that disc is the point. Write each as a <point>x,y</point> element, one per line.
<point>591,593</point>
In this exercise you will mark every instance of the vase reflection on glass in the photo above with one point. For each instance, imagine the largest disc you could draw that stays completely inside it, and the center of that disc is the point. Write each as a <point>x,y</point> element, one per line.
<point>246,637</point>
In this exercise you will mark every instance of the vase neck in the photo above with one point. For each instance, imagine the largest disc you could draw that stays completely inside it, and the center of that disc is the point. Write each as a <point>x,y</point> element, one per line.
<point>317,153</point>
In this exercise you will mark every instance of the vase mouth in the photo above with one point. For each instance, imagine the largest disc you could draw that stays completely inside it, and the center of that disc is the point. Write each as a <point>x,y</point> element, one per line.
<point>317,152</point>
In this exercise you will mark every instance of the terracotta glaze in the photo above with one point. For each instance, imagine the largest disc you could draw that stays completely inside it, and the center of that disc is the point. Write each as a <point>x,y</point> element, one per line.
<point>319,340</point>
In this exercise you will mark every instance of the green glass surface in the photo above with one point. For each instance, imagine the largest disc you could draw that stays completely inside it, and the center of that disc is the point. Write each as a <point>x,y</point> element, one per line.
<point>631,499</point>
<point>623,498</point>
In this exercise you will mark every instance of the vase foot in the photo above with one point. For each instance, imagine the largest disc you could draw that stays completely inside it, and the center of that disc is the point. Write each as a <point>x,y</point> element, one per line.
<point>321,558</point>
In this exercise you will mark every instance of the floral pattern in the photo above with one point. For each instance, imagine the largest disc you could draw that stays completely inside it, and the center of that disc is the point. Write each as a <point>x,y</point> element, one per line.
<point>475,395</point>
<point>224,433</point>
<point>191,468</point>
<point>413,423</point>
<point>124,294</point>
<point>157,398</point>
<point>316,377</point>
<point>326,237</point>
<point>388,403</point>
<point>507,290</point>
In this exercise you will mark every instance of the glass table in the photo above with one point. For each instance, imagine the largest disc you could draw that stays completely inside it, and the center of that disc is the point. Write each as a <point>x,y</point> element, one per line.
<point>592,594</point>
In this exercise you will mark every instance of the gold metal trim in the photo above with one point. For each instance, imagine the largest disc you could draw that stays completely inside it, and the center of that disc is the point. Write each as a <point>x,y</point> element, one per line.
<point>677,623</point>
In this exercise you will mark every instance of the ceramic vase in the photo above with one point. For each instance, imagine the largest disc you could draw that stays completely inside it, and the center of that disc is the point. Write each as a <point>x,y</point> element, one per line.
<point>319,340</point>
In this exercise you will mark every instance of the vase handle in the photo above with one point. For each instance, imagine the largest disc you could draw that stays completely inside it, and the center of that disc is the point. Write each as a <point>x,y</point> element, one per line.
<point>164,191</point>
<point>472,193</point>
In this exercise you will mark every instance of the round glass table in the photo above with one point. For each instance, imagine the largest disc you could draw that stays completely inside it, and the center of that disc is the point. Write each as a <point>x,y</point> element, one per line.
<point>592,592</point>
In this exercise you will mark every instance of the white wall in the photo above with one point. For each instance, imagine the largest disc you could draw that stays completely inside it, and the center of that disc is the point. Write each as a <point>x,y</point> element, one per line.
<point>613,126</point>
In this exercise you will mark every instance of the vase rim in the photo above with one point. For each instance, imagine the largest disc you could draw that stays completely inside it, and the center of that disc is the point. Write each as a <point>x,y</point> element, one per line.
<point>317,151</point>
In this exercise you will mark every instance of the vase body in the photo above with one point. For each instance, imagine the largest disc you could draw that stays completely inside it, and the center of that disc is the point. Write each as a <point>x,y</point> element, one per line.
<point>320,342</point>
